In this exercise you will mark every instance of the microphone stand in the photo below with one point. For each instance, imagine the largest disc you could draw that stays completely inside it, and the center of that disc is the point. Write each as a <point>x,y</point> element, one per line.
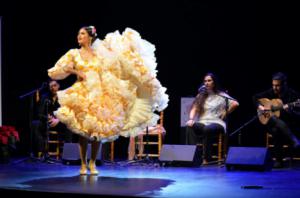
<point>227,98</point>
<point>243,126</point>
<point>30,93</point>
<point>146,159</point>
<point>31,106</point>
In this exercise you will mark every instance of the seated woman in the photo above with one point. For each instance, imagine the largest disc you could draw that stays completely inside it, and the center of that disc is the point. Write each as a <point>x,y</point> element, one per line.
<point>211,106</point>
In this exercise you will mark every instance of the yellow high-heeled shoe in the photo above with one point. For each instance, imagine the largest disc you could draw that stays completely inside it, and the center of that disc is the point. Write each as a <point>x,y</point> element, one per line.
<point>83,170</point>
<point>93,169</point>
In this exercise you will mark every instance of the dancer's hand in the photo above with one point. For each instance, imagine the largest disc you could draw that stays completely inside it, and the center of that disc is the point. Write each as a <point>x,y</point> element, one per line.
<point>81,75</point>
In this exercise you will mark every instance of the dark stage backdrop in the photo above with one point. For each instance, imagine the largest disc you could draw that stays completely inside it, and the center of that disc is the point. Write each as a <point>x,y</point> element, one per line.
<point>242,42</point>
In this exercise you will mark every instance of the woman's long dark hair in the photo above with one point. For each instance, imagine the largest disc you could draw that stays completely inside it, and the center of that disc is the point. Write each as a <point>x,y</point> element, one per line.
<point>202,96</point>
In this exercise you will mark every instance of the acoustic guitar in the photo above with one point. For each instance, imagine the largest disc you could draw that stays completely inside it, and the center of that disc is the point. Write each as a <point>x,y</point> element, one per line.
<point>272,108</point>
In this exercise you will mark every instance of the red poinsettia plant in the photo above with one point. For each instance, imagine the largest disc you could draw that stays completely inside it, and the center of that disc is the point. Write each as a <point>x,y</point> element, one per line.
<point>8,135</point>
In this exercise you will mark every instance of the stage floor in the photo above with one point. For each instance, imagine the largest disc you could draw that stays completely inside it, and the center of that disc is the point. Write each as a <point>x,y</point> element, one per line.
<point>146,180</point>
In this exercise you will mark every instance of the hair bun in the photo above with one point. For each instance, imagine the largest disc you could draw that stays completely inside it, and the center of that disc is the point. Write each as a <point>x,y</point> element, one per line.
<point>94,31</point>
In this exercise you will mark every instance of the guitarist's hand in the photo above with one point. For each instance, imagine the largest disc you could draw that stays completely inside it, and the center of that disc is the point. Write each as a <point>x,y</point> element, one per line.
<point>286,107</point>
<point>261,108</point>
<point>263,111</point>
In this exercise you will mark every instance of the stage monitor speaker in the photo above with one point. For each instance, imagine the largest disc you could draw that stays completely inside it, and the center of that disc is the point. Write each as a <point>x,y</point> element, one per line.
<point>71,153</point>
<point>180,155</point>
<point>255,158</point>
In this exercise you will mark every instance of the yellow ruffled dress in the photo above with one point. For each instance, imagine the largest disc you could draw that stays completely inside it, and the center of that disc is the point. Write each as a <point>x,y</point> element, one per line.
<point>120,93</point>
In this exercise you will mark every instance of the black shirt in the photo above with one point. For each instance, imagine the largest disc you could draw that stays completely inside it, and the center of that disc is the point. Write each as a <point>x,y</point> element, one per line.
<point>47,106</point>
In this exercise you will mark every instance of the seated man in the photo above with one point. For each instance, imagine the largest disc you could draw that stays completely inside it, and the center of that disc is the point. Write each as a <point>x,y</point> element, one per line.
<point>48,121</point>
<point>277,111</point>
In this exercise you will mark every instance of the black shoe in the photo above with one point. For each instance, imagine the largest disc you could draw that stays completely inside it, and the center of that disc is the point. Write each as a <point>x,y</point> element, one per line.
<point>278,164</point>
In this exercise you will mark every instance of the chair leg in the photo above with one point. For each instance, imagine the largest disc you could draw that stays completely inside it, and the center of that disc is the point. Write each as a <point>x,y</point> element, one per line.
<point>220,146</point>
<point>159,143</point>
<point>58,150</point>
<point>141,145</point>
<point>112,151</point>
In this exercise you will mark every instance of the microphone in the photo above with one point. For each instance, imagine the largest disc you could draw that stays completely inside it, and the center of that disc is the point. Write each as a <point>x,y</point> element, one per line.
<point>44,85</point>
<point>202,89</point>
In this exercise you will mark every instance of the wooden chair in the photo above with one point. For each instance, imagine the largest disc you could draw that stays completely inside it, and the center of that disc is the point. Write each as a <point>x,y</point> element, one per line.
<point>153,132</point>
<point>54,145</point>
<point>153,142</point>
<point>288,153</point>
<point>220,147</point>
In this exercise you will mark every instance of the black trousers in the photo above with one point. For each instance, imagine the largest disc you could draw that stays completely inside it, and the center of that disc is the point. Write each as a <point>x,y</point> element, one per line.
<point>281,133</point>
<point>64,134</point>
<point>40,135</point>
<point>200,133</point>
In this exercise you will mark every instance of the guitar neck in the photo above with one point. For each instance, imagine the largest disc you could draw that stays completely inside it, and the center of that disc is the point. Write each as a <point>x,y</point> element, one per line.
<point>290,104</point>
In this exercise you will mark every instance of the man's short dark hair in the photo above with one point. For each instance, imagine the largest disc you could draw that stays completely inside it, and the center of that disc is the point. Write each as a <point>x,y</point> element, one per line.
<point>280,76</point>
<point>52,80</point>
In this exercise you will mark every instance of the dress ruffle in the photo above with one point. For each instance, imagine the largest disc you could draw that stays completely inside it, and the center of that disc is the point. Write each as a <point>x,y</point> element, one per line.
<point>121,92</point>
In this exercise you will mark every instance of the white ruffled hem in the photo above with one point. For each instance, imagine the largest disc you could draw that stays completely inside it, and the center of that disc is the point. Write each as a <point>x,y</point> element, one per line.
<point>94,138</point>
